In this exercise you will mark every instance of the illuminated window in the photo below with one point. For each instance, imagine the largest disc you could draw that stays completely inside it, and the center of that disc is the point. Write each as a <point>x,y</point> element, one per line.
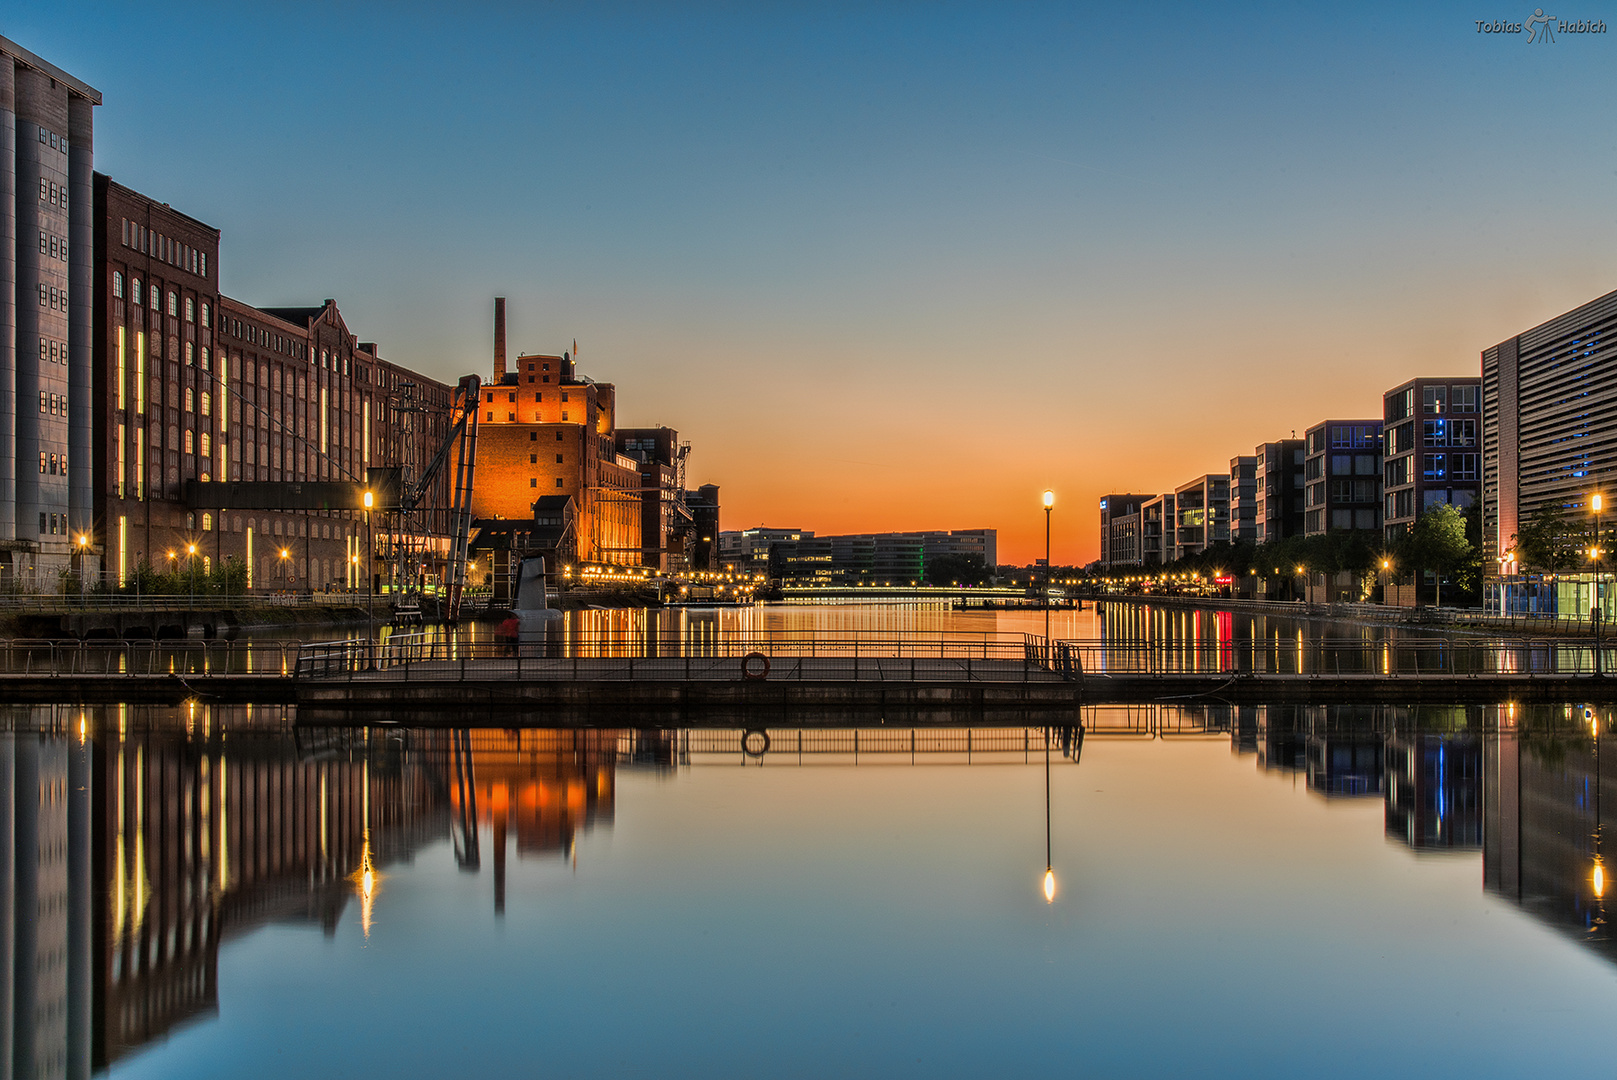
<point>117,284</point>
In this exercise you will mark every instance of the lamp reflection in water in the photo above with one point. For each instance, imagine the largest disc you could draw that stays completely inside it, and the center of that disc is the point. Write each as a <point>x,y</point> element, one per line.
<point>1072,745</point>
<point>366,882</point>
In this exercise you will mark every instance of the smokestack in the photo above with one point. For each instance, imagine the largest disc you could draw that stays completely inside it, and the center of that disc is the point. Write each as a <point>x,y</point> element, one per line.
<point>499,339</point>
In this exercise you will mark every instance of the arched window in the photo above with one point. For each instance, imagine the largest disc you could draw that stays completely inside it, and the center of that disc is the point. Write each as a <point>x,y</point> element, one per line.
<point>190,310</point>
<point>190,400</point>
<point>156,298</point>
<point>207,405</point>
<point>205,321</point>
<point>207,445</point>
<point>174,303</point>
<point>205,359</point>
<point>118,284</point>
<point>190,441</point>
<point>207,519</point>
<point>190,354</point>
<point>134,293</point>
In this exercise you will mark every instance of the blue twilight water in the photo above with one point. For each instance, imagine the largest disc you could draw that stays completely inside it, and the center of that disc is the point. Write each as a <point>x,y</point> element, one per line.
<point>1267,892</point>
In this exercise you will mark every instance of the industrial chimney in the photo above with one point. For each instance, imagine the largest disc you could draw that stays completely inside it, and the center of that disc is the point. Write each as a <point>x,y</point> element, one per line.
<point>499,339</point>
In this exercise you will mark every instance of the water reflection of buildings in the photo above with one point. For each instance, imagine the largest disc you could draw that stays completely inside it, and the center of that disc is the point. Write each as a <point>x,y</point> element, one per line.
<point>546,786</point>
<point>1544,827</point>
<point>135,850</point>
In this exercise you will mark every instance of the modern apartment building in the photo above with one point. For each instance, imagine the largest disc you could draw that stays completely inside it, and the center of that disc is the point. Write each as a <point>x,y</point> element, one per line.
<point>1158,532</point>
<point>46,275</point>
<point>1549,421</point>
<point>1120,537</point>
<point>1342,477</point>
<point>1432,454</point>
<point>1243,499</point>
<point>1203,514</point>
<point>1279,467</point>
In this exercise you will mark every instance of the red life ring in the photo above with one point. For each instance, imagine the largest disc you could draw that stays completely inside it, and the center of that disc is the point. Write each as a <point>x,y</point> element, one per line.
<point>749,671</point>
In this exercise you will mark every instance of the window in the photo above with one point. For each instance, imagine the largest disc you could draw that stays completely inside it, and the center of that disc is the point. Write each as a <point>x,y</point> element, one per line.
<point>1463,466</point>
<point>207,445</point>
<point>207,403</point>
<point>190,400</point>
<point>207,521</point>
<point>511,416</point>
<point>538,397</point>
<point>1435,467</point>
<point>533,459</point>
<point>1463,399</point>
<point>1437,433</point>
<point>205,358</point>
<point>564,396</point>
<point>1435,399</point>
<point>533,436</point>
<point>533,481</point>
<point>156,297</point>
<point>190,354</point>
<point>1341,519</point>
<point>490,418</point>
<point>190,310</point>
<point>558,481</point>
<point>117,284</point>
<point>558,436</point>
<point>510,397</point>
<point>1437,497</point>
<point>1341,464</point>
<point>190,441</point>
<point>558,459</point>
<point>1463,433</point>
<point>1366,464</point>
<point>205,321</point>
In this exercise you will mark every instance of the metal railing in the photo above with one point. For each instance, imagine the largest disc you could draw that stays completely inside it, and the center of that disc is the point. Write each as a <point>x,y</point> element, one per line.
<point>997,658</point>
<point>146,659</point>
<point>1410,657</point>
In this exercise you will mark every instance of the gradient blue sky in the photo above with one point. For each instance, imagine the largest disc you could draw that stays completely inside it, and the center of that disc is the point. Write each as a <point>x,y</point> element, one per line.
<point>897,265</point>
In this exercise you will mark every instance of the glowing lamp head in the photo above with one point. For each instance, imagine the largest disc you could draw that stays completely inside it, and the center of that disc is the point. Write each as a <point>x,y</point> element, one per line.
<point>1599,881</point>
<point>370,500</point>
<point>84,541</point>
<point>1386,564</point>
<point>1049,499</point>
<point>1050,885</point>
<point>1596,503</point>
<point>190,549</point>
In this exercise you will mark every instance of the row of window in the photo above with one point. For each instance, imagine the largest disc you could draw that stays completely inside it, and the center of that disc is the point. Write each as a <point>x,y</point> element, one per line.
<point>53,193</point>
<point>533,481</point>
<point>511,418</point>
<point>52,246</point>
<point>53,140</point>
<point>53,404</point>
<point>52,352</point>
<point>155,299</point>
<point>538,396</point>
<point>52,297</point>
<point>165,248</point>
<point>57,464</point>
<point>57,522</point>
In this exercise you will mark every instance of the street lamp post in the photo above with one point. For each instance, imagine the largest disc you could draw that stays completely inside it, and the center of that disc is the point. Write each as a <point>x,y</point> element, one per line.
<point>1596,615</point>
<point>370,581</point>
<point>1386,564</point>
<point>1049,504</point>
<point>84,551</point>
<point>191,557</point>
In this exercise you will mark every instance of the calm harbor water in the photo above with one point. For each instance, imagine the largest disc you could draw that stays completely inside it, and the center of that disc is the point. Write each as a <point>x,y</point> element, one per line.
<point>1259,891</point>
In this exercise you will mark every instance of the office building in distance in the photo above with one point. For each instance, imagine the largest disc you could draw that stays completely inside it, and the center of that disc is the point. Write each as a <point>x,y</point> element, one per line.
<point>1433,448</point>
<point>1121,542</point>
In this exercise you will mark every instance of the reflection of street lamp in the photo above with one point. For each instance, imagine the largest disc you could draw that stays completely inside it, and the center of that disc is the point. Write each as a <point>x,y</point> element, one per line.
<point>1049,504</point>
<point>1049,865</point>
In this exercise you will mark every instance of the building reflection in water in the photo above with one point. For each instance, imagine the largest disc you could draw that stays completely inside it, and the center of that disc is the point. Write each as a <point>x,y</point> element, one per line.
<point>138,840</point>
<point>1545,795</point>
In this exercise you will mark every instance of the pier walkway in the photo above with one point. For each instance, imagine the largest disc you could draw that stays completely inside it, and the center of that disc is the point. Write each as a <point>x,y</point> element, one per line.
<point>425,674</point>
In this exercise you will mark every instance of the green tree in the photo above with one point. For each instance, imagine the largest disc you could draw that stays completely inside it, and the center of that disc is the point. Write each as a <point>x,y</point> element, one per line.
<point>1436,542</point>
<point>1548,542</point>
